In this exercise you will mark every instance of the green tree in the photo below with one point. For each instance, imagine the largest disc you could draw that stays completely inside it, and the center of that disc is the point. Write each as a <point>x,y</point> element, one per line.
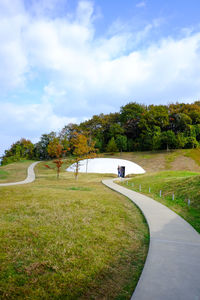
<point>41,148</point>
<point>168,140</point>
<point>121,141</point>
<point>112,147</point>
<point>181,140</point>
<point>22,149</point>
<point>130,117</point>
<point>191,142</point>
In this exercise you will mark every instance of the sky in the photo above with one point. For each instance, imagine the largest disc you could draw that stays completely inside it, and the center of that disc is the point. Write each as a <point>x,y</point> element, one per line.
<point>62,61</point>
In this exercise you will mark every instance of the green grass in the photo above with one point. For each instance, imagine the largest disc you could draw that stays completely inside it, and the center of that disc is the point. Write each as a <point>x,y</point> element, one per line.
<point>3,174</point>
<point>67,239</point>
<point>79,188</point>
<point>183,184</point>
<point>14,172</point>
<point>194,154</point>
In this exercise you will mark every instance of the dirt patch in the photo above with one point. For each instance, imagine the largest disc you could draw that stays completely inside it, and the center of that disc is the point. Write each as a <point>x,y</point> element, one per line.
<point>184,163</point>
<point>175,160</point>
<point>149,161</point>
<point>154,164</point>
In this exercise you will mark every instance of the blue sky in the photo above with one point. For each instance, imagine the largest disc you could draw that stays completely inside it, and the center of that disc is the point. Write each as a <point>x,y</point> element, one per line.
<point>62,61</point>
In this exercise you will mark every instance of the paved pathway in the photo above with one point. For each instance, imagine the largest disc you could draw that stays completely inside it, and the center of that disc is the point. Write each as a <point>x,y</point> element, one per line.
<point>172,268</point>
<point>30,176</point>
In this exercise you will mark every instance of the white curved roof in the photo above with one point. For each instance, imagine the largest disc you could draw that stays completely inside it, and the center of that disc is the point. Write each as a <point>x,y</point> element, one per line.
<point>107,165</point>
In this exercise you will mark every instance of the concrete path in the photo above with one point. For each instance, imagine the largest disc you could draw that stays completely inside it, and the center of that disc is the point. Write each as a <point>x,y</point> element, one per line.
<point>30,176</point>
<point>172,268</point>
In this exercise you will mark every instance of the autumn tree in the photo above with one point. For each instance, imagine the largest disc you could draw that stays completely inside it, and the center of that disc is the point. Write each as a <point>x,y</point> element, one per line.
<point>56,150</point>
<point>82,148</point>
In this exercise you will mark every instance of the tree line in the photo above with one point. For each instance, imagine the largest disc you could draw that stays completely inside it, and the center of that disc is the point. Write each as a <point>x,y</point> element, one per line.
<point>136,127</point>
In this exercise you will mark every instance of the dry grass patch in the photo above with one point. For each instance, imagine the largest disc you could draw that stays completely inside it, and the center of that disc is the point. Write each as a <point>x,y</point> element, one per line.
<point>155,161</point>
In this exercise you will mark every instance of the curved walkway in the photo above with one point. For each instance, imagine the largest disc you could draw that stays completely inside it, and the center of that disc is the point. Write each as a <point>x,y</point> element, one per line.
<point>30,176</point>
<point>172,267</point>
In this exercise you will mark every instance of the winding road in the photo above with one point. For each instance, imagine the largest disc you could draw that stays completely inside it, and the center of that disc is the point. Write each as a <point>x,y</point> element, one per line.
<point>30,176</point>
<point>172,267</point>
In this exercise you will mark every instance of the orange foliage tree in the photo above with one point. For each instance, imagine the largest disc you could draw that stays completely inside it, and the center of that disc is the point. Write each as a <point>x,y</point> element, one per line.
<point>56,150</point>
<point>82,148</point>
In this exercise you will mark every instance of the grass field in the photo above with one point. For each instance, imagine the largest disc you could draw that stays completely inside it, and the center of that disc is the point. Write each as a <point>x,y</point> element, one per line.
<point>14,172</point>
<point>183,184</point>
<point>67,239</point>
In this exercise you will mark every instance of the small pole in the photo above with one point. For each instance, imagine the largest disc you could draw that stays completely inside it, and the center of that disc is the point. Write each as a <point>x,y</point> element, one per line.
<point>188,202</point>
<point>127,182</point>
<point>173,197</point>
<point>140,187</point>
<point>160,193</point>
<point>149,190</point>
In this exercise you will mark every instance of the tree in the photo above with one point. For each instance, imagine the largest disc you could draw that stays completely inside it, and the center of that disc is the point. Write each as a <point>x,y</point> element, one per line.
<point>121,141</point>
<point>112,146</point>
<point>191,142</point>
<point>181,140</point>
<point>52,147</point>
<point>115,130</point>
<point>22,149</point>
<point>41,148</point>
<point>81,149</point>
<point>130,117</point>
<point>55,149</point>
<point>168,139</point>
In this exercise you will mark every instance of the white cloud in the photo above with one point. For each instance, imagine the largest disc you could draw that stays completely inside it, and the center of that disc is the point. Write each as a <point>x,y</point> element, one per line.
<point>84,74</point>
<point>141,4</point>
<point>32,118</point>
<point>28,121</point>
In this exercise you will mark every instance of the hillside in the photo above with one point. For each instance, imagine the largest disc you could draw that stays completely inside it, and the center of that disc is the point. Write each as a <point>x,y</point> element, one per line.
<point>176,172</point>
<point>175,160</point>
<point>68,239</point>
<point>15,171</point>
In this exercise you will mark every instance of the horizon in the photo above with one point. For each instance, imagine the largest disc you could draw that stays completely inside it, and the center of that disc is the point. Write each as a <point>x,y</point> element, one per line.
<point>65,61</point>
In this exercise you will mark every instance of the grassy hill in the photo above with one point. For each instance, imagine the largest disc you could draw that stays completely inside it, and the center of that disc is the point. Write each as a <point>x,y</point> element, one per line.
<point>175,160</point>
<point>14,172</point>
<point>176,172</point>
<point>67,239</point>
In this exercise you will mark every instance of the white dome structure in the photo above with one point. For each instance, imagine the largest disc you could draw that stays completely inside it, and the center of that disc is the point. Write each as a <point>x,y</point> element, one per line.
<point>107,165</point>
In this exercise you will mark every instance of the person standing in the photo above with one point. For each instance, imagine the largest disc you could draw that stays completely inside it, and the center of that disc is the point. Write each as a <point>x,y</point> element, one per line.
<point>119,171</point>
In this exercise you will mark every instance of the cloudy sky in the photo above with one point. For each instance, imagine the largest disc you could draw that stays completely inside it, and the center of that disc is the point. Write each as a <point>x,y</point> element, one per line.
<point>62,61</point>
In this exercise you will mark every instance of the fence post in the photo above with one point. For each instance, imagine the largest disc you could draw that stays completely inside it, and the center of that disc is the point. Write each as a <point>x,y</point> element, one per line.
<point>160,193</point>
<point>173,197</point>
<point>188,202</point>
<point>149,190</point>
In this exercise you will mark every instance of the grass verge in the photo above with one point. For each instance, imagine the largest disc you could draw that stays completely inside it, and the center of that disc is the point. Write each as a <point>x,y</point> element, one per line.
<point>14,172</point>
<point>183,184</point>
<point>67,239</point>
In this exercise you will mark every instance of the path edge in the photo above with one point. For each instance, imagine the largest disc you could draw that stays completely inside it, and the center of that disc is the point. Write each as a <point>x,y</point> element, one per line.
<point>29,178</point>
<point>116,179</point>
